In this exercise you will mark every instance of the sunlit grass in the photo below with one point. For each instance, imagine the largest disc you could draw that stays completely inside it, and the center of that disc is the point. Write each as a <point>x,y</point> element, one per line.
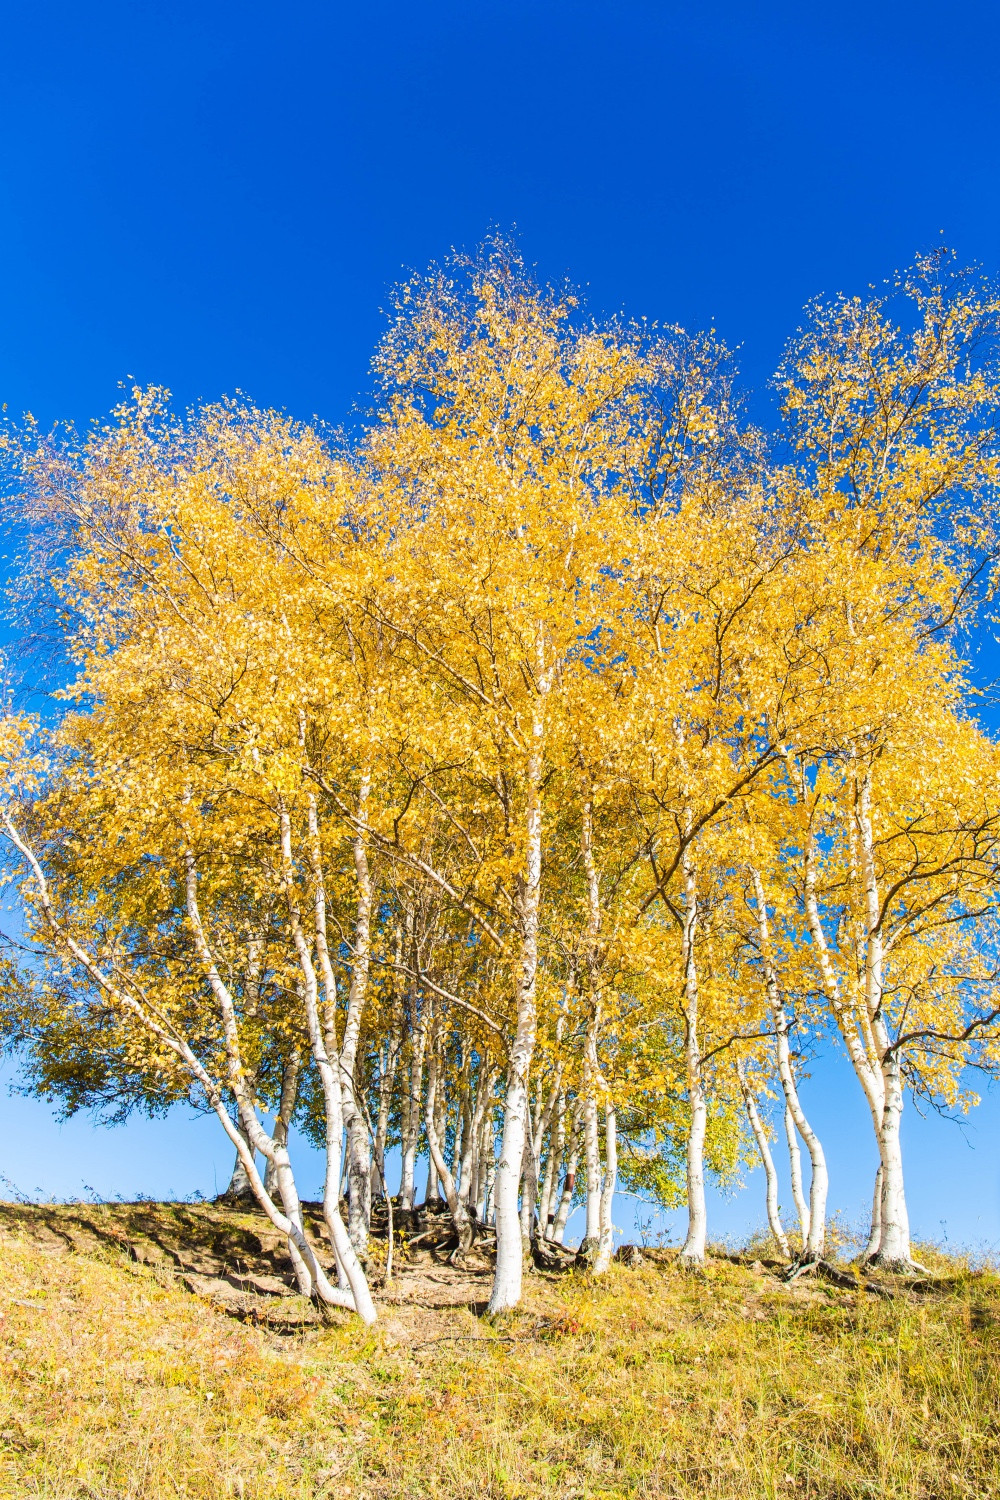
<point>650,1383</point>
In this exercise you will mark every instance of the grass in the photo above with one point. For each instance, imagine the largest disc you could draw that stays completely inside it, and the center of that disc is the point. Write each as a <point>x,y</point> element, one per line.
<point>118,1384</point>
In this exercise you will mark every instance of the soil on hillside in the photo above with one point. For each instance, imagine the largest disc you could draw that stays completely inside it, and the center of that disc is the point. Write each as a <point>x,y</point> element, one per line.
<point>233,1258</point>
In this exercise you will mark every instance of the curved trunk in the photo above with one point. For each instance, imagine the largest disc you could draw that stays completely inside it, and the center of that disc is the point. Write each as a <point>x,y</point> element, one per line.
<point>322,1037</point>
<point>815,1236</point>
<point>240,1186</point>
<point>457,1206</point>
<point>286,1108</point>
<point>770,1175</point>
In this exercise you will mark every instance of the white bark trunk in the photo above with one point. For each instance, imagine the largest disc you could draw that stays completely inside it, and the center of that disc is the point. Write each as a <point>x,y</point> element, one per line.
<point>286,1108</point>
<point>815,1239</point>
<point>606,1233</point>
<point>770,1175</point>
<point>359,1166</point>
<point>893,1251</point>
<point>322,1033</point>
<point>414,1112</point>
<point>569,1180</point>
<point>457,1206</point>
<point>507,1278</point>
<point>553,1164</point>
<point>795,1172</point>
<point>693,1250</point>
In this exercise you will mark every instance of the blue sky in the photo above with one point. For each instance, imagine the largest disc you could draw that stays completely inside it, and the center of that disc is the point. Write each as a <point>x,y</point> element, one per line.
<point>216,197</point>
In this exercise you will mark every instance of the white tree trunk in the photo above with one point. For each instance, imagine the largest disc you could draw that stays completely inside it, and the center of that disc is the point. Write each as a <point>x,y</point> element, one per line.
<point>359,1166</point>
<point>693,1250</point>
<point>322,1037</point>
<point>507,1277</point>
<point>770,1175</point>
<point>875,1232</point>
<point>553,1164</point>
<point>606,1231</point>
<point>457,1206</point>
<point>240,1186</point>
<point>795,1172</point>
<point>286,1108</point>
<point>414,1111</point>
<point>893,1251</point>
<point>815,1238</point>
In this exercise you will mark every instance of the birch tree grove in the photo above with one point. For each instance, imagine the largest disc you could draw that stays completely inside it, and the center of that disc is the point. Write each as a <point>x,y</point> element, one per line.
<point>524,785</point>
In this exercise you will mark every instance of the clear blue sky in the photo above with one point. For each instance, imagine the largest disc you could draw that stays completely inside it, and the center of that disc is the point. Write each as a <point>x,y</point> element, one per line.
<point>216,196</point>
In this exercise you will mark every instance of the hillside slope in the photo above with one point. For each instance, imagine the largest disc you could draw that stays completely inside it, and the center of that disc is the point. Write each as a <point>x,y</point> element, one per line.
<point>157,1350</point>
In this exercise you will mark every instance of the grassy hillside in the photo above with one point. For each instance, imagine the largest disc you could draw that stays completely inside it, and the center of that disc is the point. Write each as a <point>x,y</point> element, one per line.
<point>129,1372</point>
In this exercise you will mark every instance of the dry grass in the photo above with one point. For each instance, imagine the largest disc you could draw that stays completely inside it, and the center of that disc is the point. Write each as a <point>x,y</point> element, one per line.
<point>117,1383</point>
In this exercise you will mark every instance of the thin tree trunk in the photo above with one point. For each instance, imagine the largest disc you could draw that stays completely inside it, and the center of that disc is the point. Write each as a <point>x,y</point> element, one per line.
<point>457,1206</point>
<point>795,1172</point>
<point>815,1238</point>
<point>875,1232</point>
<point>569,1180</point>
<point>359,1166</point>
<point>553,1164</point>
<point>770,1175</point>
<point>286,1109</point>
<point>606,1240</point>
<point>693,1250</point>
<point>322,1036</point>
<point>387,1082</point>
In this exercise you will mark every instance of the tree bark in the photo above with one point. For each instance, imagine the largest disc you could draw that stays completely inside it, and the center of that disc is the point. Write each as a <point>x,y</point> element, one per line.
<point>770,1175</point>
<point>569,1180</point>
<point>795,1173</point>
<point>457,1206</point>
<point>359,1166</point>
<point>693,1250</point>
<point>507,1278</point>
<point>606,1237</point>
<point>815,1236</point>
<point>286,1109</point>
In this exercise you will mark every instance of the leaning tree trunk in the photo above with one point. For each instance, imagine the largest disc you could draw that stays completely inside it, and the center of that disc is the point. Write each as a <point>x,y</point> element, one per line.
<point>457,1206</point>
<point>770,1175</point>
<point>286,1109</point>
<point>870,1076</point>
<point>240,1187</point>
<point>815,1237</point>
<point>322,1029</point>
<point>795,1174</point>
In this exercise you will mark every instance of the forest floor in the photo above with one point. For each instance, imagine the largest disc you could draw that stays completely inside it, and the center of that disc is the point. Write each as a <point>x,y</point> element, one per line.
<point>159,1350</point>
